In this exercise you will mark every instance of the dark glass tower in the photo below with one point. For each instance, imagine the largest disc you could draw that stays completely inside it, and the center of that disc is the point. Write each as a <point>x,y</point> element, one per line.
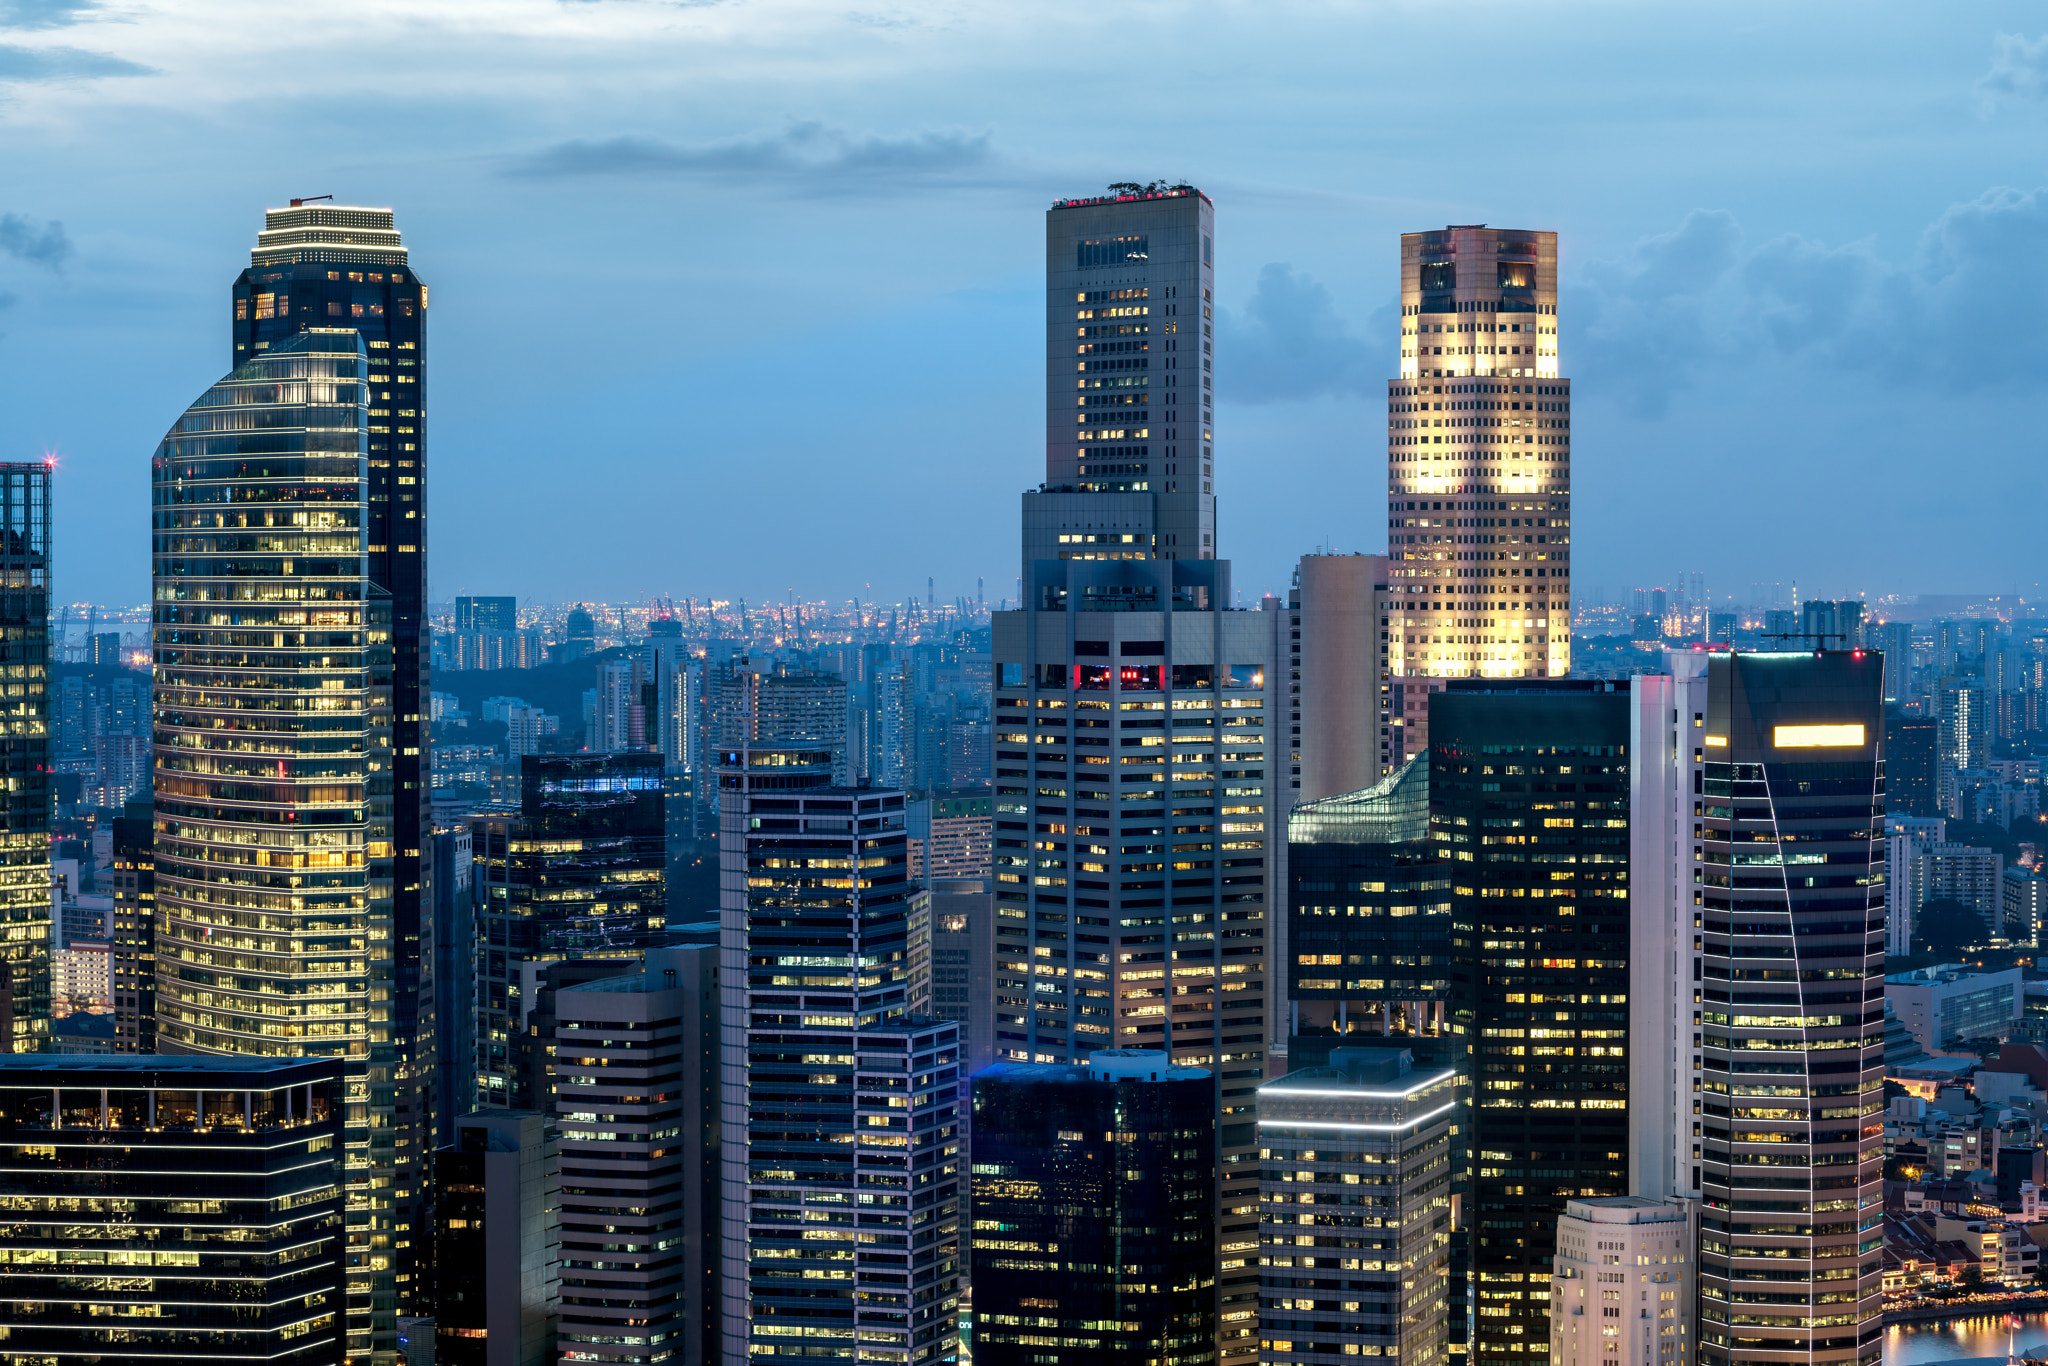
<point>1792,1069</point>
<point>580,871</point>
<point>1094,1211</point>
<point>25,755</point>
<point>1528,805</point>
<point>328,265</point>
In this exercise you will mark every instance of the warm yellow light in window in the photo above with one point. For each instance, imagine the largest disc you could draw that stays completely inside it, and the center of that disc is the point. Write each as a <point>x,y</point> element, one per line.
<point>1816,737</point>
<point>1717,741</point>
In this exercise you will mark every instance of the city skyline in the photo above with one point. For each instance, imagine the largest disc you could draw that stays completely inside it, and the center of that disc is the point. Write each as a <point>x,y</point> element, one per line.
<point>1769,303</point>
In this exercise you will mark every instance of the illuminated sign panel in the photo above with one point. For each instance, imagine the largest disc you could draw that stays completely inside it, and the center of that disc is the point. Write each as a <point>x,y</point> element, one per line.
<point>1816,737</point>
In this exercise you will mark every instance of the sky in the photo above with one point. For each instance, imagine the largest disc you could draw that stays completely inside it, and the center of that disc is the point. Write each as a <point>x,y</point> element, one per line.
<point>744,297</point>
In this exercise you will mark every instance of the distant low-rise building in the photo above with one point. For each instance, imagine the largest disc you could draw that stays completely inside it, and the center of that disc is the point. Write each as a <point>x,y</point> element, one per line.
<point>1948,1005</point>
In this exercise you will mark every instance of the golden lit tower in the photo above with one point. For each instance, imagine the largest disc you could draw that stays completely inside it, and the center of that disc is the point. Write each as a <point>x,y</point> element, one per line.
<point>1479,460</point>
<point>273,761</point>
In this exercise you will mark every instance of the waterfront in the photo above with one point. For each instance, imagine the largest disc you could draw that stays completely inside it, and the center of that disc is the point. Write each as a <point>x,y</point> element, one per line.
<point>1979,1338</point>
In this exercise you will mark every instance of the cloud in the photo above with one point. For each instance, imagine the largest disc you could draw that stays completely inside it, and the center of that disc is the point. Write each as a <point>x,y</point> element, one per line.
<point>1291,343</point>
<point>40,14</point>
<point>48,246</point>
<point>2019,69</point>
<point>19,63</point>
<point>810,155</point>
<point>1959,314</point>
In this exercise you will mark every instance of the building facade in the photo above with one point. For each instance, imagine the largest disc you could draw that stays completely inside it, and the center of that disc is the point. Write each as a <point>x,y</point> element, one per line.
<point>1479,460</point>
<point>326,265</point>
<point>132,878</point>
<point>1355,1210</point>
<point>1623,1283</point>
<point>25,898</point>
<point>840,1147</point>
<point>1907,837</point>
<point>1338,726</point>
<point>1135,763</point>
<point>292,831</point>
<point>635,1102</point>
<point>1792,925</point>
<point>204,1192</point>
<point>497,1242</point>
<point>1094,1211</point>
<point>1529,803</point>
<point>580,871</point>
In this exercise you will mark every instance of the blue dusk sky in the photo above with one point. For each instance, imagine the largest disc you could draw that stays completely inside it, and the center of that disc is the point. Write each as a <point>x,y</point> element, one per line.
<point>745,297</point>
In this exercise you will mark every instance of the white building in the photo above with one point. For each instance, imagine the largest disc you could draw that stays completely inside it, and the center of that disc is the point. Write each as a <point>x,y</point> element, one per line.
<point>1906,837</point>
<point>1948,1005</point>
<point>1622,1283</point>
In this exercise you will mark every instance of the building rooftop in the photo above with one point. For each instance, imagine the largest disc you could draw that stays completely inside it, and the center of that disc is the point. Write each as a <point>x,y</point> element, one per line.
<point>1626,1209</point>
<point>147,1062</point>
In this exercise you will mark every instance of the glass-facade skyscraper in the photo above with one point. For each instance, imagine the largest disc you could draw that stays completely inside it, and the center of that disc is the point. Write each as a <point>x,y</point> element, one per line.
<point>330,265</point>
<point>273,761</point>
<point>1094,1210</point>
<point>1529,809</point>
<point>1479,489</point>
<point>1134,782</point>
<point>25,751</point>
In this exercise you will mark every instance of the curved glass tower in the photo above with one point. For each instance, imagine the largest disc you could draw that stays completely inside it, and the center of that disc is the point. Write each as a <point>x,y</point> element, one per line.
<point>273,756</point>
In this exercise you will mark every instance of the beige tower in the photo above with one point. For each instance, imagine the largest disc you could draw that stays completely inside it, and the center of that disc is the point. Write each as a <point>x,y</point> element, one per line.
<point>1479,460</point>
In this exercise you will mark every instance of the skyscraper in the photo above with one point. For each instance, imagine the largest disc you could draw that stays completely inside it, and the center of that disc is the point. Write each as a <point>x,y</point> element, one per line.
<point>1358,1195</point>
<point>322,265</point>
<point>841,1102</point>
<point>1479,459</point>
<point>1771,918</point>
<point>1528,802</point>
<point>1093,1197</point>
<point>1134,782</point>
<point>26,757</point>
<point>273,740</point>
<point>579,870</point>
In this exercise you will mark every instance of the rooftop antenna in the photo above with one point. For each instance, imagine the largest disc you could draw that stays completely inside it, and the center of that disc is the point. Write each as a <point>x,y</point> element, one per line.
<point>310,199</point>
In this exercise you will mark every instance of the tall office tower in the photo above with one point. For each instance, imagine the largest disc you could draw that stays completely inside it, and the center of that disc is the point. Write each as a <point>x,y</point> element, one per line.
<point>1128,280</point>
<point>1895,638</point>
<point>1528,792</point>
<point>487,614</point>
<point>454,973</point>
<point>951,837</point>
<point>497,1242</point>
<point>206,1193</point>
<point>1479,460</point>
<point>840,1103</point>
<point>636,1104</point>
<point>132,877</point>
<point>324,265</point>
<point>285,841</point>
<point>757,702</point>
<point>1911,749</point>
<point>578,871</point>
<point>1356,1239</point>
<point>1404,717</point>
<point>1907,839</point>
<point>1338,736</point>
<point>1634,1260</point>
<point>1369,922</point>
<point>963,965</point>
<point>1093,1205</point>
<point>1784,967</point>
<point>26,759</point>
<point>1134,783</point>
